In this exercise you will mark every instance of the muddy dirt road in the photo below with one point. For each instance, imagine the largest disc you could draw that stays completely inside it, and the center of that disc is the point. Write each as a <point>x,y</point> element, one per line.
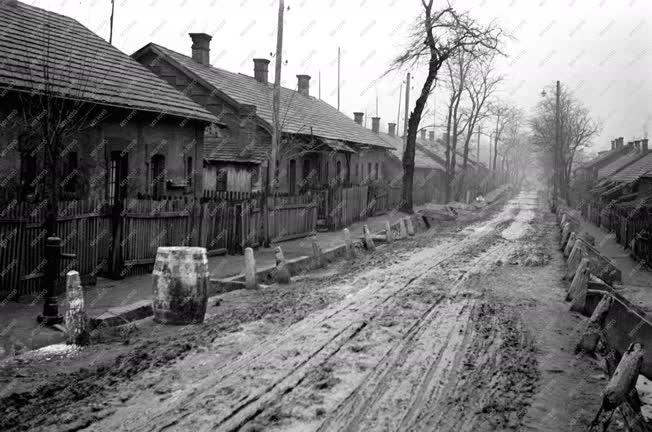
<point>463,328</point>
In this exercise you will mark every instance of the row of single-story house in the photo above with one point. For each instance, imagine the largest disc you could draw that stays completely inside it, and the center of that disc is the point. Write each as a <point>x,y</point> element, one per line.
<point>166,124</point>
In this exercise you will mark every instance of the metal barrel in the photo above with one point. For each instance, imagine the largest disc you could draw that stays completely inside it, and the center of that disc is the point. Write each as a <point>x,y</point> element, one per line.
<point>180,282</point>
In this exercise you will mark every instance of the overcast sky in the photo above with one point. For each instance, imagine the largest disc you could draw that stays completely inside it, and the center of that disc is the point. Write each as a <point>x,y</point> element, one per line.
<point>601,49</point>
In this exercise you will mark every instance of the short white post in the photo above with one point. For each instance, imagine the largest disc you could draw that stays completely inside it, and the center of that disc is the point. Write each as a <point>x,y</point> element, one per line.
<point>580,280</point>
<point>368,241</point>
<point>574,259</point>
<point>388,232</point>
<point>402,230</point>
<point>282,274</point>
<point>317,254</point>
<point>250,269</point>
<point>76,322</point>
<point>348,244</point>
<point>409,226</point>
<point>564,234</point>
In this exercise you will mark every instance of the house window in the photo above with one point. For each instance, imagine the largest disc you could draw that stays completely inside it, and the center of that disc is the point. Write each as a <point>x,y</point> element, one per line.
<point>118,166</point>
<point>369,171</point>
<point>71,173</point>
<point>222,176</point>
<point>189,170</point>
<point>376,171</point>
<point>254,177</point>
<point>357,171</point>
<point>158,176</point>
<point>28,172</point>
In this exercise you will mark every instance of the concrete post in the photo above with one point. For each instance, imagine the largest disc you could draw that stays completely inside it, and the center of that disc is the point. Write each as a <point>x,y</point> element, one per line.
<point>580,281</point>
<point>250,269</point>
<point>402,230</point>
<point>564,234</point>
<point>348,244</point>
<point>282,274</point>
<point>563,220</point>
<point>76,321</point>
<point>409,226</point>
<point>389,234</point>
<point>574,259</point>
<point>317,254</point>
<point>569,244</point>
<point>368,241</point>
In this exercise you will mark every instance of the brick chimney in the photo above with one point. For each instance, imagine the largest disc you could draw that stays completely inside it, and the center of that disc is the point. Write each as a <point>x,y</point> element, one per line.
<point>358,117</point>
<point>613,144</point>
<point>391,129</point>
<point>644,145</point>
<point>423,134</point>
<point>620,142</point>
<point>303,84</point>
<point>375,124</point>
<point>637,144</point>
<point>261,70</point>
<point>431,136</point>
<point>201,48</point>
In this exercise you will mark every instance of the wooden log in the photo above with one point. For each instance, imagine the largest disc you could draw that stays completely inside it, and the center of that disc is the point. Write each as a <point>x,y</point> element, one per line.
<point>348,244</point>
<point>388,232</point>
<point>409,226</point>
<point>250,269</point>
<point>574,260</point>
<point>591,335</point>
<point>75,318</point>
<point>569,244</point>
<point>282,273</point>
<point>368,241</point>
<point>624,378</point>
<point>580,280</point>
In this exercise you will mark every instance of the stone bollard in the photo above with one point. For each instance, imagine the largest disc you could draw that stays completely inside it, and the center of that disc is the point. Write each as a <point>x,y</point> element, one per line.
<point>402,230</point>
<point>180,284</point>
<point>569,244</point>
<point>388,232</point>
<point>368,241</point>
<point>409,226</point>
<point>563,220</point>
<point>250,269</point>
<point>580,280</point>
<point>282,274</point>
<point>76,321</point>
<point>574,260</point>
<point>564,234</point>
<point>317,254</point>
<point>348,244</point>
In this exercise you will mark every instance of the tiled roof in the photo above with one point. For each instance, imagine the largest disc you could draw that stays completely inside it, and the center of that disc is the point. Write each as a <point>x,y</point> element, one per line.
<point>299,114</point>
<point>228,150</point>
<point>634,171</point>
<point>81,65</point>
<point>618,163</point>
<point>421,160</point>
<point>601,158</point>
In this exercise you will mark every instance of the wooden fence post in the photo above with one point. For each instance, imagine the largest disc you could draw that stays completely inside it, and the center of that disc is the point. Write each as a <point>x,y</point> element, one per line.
<point>368,241</point>
<point>76,321</point>
<point>250,269</point>
<point>388,232</point>
<point>581,278</point>
<point>591,335</point>
<point>569,244</point>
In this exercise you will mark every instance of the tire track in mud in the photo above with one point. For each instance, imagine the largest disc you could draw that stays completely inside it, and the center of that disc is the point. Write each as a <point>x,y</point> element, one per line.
<point>241,392</point>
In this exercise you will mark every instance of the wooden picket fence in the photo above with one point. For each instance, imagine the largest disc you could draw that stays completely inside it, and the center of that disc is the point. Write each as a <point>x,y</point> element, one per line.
<point>83,227</point>
<point>344,206</point>
<point>292,217</point>
<point>631,225</point>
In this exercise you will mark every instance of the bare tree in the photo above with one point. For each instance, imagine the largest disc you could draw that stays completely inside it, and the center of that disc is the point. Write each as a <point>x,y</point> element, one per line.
<point>436,36</point>
<point>49,118</point>
<point>577,130</point>
<point>504,114</point>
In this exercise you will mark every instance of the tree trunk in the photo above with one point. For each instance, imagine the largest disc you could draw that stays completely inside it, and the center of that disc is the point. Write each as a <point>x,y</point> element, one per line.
<point>413,127</point>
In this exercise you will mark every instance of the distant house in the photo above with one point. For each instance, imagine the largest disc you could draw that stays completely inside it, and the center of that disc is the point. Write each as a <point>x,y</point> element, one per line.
<point>429,171</point>
<point>145,138</point>
<point>626,174</point>
<point>320,145</point>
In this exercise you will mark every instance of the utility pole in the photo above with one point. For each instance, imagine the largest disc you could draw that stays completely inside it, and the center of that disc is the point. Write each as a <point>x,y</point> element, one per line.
<point>398,116</point>
<point>338,78</point>
<point>276,127</point>
<point>557,151</point>
<point>111,22</point>
<point>407,109</point>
